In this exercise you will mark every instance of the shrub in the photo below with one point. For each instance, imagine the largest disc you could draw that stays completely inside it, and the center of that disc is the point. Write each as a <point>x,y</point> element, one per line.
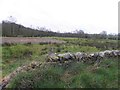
<point>28,43</point>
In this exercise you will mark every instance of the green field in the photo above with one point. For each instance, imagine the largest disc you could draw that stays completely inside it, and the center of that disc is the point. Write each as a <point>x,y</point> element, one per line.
<point>67,75</point>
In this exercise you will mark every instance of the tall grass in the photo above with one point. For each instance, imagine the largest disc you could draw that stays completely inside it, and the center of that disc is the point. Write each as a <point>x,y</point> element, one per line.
<point>67,75</point>
<point>18,55</point>
<point>75,75</point>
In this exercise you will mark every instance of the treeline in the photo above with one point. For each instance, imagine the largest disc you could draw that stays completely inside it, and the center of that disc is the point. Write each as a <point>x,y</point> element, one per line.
<point>11,29</point>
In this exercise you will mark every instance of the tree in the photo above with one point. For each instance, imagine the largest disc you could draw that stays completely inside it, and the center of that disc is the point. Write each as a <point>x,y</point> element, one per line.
<point>103,35</point>
<point>79,31</point>
<point>12,19</point>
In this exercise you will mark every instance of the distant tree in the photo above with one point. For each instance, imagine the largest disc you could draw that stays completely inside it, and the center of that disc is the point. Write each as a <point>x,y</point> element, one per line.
<point>79,31</point>
<point>42,29</point>
<point>103,35</point>
<point>11,19</point>
<point>38,28</point>
<point>112,36</point>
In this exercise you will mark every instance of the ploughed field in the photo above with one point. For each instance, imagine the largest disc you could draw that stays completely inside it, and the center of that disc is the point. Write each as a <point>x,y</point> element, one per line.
<point>33,63</point>
<point>33,40</point>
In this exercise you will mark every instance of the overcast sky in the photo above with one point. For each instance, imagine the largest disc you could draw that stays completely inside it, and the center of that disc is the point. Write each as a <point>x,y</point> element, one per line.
<point>92,16</point>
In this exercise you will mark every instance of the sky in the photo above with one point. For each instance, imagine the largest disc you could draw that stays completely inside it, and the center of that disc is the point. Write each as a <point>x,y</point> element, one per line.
<point>91,16</point>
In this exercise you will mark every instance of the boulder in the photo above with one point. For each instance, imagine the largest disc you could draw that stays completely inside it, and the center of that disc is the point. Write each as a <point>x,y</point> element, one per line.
<point>83,57</point>
<point>90,58</point>
<point>116,52</point>
<point>65,56</point>
<point>107,53</point>
<point>101,54</point>
<point>53,57</point>
<point>78,56</point>
<point>95,57</point>
<point>91,55</point>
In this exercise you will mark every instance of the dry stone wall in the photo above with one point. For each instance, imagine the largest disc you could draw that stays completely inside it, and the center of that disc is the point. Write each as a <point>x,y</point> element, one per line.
<point>24,68</point>
<point>83,57</point>
<point>54,57</point>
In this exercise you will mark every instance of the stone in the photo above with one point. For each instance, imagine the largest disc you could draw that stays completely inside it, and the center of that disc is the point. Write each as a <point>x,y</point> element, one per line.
<point>53,57</point>
<point>107,53</point>
<point>117,52</point>
<point>83,57</point>
<point>78,56</point>
<point>101,54</point>
<point>65,56</point>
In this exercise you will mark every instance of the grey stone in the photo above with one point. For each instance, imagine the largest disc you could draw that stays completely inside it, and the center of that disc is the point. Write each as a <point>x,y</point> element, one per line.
<point>78,56</point>
<point>101,54</point>
<point>65,56</point>
<point>53,57</point>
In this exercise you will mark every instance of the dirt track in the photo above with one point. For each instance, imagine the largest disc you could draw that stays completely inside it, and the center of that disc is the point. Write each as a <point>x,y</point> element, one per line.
<point>33,40</point>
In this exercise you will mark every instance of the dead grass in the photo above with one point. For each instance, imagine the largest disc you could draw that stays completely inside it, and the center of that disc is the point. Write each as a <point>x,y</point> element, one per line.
<point>32,40</point>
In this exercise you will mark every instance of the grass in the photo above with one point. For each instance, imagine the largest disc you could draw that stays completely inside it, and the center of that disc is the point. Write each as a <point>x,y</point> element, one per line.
<point>67,75</point>
<point>100,44</point>
<point>18,55</point>
<point>76,75</point>
<point>0,62</point>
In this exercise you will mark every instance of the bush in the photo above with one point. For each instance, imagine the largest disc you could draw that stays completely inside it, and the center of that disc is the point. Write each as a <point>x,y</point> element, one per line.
<point>8,44</point>
<point>28,43</point>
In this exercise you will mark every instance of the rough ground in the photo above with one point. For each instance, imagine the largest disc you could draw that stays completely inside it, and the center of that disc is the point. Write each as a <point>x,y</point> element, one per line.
<point>5,81</point>
<point>34,40</point>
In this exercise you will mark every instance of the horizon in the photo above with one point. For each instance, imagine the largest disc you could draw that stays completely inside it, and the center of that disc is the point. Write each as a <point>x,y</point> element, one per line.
<point>63,15</point>
<point>46,29</point>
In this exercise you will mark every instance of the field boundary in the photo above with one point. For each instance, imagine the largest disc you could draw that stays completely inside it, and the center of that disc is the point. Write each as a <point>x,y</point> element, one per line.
<point>5,81</point>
